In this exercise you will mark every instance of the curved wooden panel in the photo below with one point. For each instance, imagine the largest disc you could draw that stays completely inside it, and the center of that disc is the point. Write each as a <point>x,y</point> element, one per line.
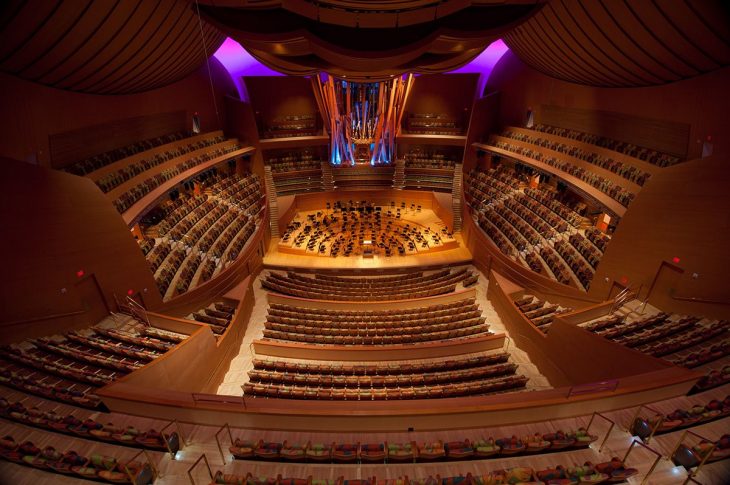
<point>110,47</point>
<point>624,43</point>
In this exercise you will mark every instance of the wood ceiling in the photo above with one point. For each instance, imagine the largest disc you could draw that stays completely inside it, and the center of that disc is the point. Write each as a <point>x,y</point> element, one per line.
<point>103,47</point>
<point>625,43</point>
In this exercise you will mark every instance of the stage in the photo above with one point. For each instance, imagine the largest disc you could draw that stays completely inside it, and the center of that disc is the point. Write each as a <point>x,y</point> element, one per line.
<point>276,259</point>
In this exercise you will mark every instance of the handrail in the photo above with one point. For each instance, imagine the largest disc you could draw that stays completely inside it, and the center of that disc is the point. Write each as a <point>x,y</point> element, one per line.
<point>155,472</point>
<point>139,308</point>
<point>207,465</point>
<point>699,299</point>
<point>652,450</point>
<point>608,433</point>
<point>43,317</point>
<point>653,429</point>
<point>218,441</point>
<point>691,474</point>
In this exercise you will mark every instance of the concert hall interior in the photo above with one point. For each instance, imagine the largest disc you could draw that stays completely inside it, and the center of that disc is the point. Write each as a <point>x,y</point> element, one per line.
<point>349,242</point>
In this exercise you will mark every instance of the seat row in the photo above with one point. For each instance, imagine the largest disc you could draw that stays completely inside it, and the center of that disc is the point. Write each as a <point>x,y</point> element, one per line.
<point>680,418</point>
<point>380,382</point>
<point>347,337</point>
<point>647,154</point>
<point>128,198</point>
<point>612,471</point>
<point>436,391</point>
<point>398,315</point>
<point>96,162</point>
<point>89,429</point>
<point>626,171</point>
<point>541,313</point>
<point>312,290</point>
<point>401,368</point>
<point>411,451</point>
<point>112,180</point>
<point>70,463</point>
<point>615,191</point>
<point>666,336</point>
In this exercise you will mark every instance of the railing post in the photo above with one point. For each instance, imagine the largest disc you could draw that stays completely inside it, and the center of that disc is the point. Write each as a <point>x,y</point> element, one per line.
<point>207,465</point>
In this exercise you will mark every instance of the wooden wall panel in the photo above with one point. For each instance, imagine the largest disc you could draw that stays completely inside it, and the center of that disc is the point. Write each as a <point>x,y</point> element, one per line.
<point>451,94</point>
<point>699,102</point>
<point>683,212</point>
<point>484,120</point>
<point>55,224</point>
<point>276,96</point>
<point>31,113</point>
<point>665,136</point>
<point>69,146</point>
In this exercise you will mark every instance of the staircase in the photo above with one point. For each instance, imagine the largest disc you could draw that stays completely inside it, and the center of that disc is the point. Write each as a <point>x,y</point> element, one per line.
<point>273,206</point>
<point>456,191</point>
<point>399,178</point>
<point>328,179</point>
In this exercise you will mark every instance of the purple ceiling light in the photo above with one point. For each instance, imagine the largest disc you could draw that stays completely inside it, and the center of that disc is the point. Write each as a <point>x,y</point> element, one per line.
<point>484,63</point>
<point>240,63</point>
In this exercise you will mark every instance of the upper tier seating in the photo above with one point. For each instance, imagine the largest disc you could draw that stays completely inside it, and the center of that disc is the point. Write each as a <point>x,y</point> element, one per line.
<point>85,167</point>
<point>109,181</point>
<point>615,191</point>
<point>645,154</point>
<point>429,168</point>
<point>296,172</point>
<point>133,194</point>
<point>534,228</point>
<point>322,289</point>
<point>628,172</point>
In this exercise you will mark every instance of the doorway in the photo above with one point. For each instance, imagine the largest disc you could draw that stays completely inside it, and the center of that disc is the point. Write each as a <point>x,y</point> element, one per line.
<point>92,299</point>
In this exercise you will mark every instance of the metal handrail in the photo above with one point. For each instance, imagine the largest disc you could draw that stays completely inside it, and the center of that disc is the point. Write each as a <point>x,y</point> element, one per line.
<point>207,465</point>
<point>691,474</point>
<point>218,441</point>
<point>134,306</point>
<point>652,450</point>
<point>608,433</point>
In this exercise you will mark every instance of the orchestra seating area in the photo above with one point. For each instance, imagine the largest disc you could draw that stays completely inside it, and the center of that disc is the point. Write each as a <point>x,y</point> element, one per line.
<point>68,368</point>
<point>432,323</point>
<point>409,286</point>
<point>201,234</point>
<point>534,228</point>
<point>646,154</point>
<point>532,150</point>
<point>344,230</point>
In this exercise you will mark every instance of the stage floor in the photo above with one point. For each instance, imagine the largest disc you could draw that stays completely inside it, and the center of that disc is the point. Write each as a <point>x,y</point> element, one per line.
<point>275,259</point>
